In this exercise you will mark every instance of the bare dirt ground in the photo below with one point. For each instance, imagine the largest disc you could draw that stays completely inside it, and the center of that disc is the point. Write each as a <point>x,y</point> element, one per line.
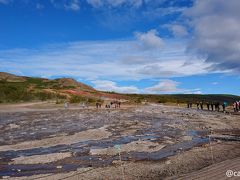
<point>42,141</point>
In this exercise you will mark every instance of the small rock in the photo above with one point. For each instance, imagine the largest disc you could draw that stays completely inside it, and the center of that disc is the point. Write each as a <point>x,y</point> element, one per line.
<point>187,138</point>
<point>13,126</point>
<point>116,162</point>
<point>168,162</point>
<point>169,142</point>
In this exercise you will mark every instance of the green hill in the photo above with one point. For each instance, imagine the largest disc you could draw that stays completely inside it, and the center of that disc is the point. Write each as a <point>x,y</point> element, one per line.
<point>184,98</point>
<point>19,88</point>
<point>23,89</point>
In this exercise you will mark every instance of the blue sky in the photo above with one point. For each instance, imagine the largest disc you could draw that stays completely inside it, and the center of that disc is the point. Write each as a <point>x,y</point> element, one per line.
<point>129,46</point>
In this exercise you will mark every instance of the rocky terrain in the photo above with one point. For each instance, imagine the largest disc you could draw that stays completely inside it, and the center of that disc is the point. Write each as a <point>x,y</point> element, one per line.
<point>138,142</point>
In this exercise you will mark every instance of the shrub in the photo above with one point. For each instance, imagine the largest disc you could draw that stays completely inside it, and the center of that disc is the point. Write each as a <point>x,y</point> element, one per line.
<point>77,99</point>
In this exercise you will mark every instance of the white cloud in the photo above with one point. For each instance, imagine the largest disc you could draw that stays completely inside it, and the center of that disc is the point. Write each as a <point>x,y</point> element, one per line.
<point>137,3</point>
<point>95,3</point>
<point>39,6</point>
<point>5,1</point>
<point>149,40</point>
<point>216,34</point>
<point>177,30</point>
<point>133,3</point>
<point>116,60</point>
<point>167,86</point>
<point>173,68</point>
<point>156,12</point>
<point>136,60</point>
<point>104,85</point>
<point>72,5</point>
<point>115,3</point>
<point>196,92</point>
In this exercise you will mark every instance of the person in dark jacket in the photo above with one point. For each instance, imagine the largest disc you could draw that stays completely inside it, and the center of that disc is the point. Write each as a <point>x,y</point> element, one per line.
<point>212,107</point>
<point>224,105</point>
<point>201,105</point>
<point>197,105</point>
<point>208,105</point>
<point>217,106</point>
<point>188,104</point>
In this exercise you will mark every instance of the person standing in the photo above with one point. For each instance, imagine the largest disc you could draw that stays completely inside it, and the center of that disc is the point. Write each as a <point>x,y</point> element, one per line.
<point>212,108</point>
<point>223,106</point>
<point>238,105</point>
<point>201,105</point>
<point>235,107</point>
<point>66,105</point>
<point>190,104</point>
<point>197,105</point>
<point>208,105</point>
<point>218,106</point>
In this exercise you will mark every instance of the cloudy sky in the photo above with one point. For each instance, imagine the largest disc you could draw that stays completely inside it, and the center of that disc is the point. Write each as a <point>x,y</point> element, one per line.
<point>129,46</point>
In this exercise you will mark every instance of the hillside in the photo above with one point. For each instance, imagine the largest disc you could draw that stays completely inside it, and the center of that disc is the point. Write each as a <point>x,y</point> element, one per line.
<point>11,78</point>
<point>24,89</point>
<point>184,98</point>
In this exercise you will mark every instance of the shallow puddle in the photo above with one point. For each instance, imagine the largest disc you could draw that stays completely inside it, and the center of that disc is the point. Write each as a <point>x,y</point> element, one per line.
<point>82,158</point>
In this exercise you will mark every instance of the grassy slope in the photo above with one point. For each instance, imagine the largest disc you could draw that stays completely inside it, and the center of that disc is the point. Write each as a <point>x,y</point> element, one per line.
<point>28,90</point>
<point>184,98</point>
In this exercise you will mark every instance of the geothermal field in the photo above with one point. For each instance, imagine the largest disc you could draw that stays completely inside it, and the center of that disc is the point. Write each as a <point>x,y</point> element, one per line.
<point>150,141</point>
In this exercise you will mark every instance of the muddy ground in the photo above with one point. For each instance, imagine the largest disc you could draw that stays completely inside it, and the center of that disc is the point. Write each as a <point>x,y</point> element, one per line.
<point>144,142</point>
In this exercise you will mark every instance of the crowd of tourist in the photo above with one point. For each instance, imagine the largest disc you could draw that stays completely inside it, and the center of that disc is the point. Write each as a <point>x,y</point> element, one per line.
<point>211,106</point>
<point>215,106</point>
